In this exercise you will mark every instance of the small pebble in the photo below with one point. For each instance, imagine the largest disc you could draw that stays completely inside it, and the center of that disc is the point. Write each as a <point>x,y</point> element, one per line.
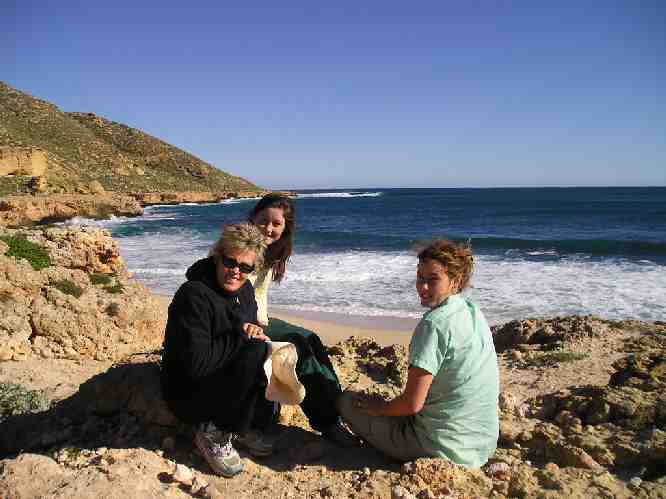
<point>426,494</point>
<point>182,474</point>
<point>407,468</point>
<point>523,410</point>
<point>399,492</point>
<point>198,485</point>
<point>499,470</point>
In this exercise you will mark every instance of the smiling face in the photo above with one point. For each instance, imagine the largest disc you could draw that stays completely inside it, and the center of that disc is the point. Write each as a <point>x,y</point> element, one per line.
<point>271,223</point>
<point>231,279</point>
<point>433,284</point>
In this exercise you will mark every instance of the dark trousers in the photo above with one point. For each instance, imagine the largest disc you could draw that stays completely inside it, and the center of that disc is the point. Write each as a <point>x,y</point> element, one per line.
<point>314,370</point>
<point>232,397</point>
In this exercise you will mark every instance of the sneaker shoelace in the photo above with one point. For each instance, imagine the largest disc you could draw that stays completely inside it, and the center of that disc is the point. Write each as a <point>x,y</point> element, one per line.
<point>224,450</point>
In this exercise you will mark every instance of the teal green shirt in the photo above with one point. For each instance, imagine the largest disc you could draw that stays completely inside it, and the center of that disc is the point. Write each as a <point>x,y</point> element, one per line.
<point>459,419</point>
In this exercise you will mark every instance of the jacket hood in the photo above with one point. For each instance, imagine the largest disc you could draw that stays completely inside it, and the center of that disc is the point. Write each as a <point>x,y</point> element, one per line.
<point>205,271</point>
<point>202,270</point>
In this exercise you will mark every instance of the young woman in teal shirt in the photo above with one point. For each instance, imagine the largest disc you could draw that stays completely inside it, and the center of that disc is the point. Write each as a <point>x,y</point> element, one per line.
<point>449,405</point>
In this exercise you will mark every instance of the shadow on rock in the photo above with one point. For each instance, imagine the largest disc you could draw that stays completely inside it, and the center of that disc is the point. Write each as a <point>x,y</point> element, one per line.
<point>119,407</point>
<point>123,408</point>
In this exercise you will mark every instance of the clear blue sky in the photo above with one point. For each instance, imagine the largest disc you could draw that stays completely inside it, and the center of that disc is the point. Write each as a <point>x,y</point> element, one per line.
<point>365,93</point>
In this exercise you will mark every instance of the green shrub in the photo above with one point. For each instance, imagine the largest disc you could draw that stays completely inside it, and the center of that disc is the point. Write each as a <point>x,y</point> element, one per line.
<point>20,247</point>
<point>115,289</point>
<point>15,400</point>
<point>68,287</point>
<point>98,278</point>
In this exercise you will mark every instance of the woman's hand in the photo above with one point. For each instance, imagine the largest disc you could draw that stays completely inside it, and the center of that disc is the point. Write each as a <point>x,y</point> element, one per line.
<point>254,332</point>
<point>372,405</point>
<point>406,404</point>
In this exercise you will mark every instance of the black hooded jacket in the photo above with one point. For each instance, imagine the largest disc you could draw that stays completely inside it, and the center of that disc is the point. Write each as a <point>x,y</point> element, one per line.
<point>204,331</point>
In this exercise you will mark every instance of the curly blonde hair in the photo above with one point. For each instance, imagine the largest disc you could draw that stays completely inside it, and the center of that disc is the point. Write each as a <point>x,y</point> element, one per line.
<point>457,259</point>
<point>240,237</point>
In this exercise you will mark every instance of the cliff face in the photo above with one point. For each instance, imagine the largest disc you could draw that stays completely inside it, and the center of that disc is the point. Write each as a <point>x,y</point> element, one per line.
<point>80,148</point>
<point>22,161</point>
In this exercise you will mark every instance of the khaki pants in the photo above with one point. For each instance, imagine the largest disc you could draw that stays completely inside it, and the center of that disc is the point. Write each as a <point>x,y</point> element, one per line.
<point>393,436</point>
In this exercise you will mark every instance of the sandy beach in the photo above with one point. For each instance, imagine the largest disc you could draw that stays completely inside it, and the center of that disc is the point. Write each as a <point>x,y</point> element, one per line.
<point>333,328</point>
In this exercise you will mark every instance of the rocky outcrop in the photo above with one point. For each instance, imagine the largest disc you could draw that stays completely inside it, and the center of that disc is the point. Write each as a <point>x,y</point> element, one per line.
<point>150,198</point>
<point>22,161</point>
<point>84,305</point>
<point>18,211</point>
<point>551,332</point>
<point>586,441</point>
<point>621,426</point>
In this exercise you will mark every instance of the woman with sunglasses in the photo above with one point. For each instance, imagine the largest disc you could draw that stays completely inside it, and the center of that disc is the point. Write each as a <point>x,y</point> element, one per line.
<point>212,361</point>
<point>275,216</point>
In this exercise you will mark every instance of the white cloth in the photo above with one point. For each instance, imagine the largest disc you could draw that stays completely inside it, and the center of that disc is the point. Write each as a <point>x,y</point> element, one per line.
<point>280,368</point>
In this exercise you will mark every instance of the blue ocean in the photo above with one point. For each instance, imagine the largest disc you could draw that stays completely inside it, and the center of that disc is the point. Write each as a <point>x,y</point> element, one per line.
<point>541,252</point>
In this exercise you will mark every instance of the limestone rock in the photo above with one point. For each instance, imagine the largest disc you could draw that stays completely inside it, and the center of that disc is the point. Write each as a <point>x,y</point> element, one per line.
<point>28,210</point>
<point>548,331</point>
<point>125,473</point>
<point>96,188</point>
<point>40,317</point>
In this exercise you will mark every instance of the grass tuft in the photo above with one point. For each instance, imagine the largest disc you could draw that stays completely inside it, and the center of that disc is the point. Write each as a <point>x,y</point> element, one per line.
<point>68,287</point>
<point>115,289</point>
<point>20,247</point>
<point>99,278</point>
<point>15,400</point>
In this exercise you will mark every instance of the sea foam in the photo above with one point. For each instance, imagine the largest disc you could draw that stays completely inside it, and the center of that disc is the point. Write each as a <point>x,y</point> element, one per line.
<point>339,195</point>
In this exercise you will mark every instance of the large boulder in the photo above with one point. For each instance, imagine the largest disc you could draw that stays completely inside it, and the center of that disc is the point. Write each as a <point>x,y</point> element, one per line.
<point>550,332</point>
<point>84,305</point>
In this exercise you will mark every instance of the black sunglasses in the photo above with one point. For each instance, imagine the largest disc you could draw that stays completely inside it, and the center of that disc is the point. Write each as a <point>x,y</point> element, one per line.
<point>230,263</point>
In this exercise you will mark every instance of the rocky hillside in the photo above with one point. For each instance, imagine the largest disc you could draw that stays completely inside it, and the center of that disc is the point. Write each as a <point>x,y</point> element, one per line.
<point>82,148</point>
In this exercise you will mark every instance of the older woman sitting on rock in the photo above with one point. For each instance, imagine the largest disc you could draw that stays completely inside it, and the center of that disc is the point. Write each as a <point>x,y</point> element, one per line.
<point>212,363</point>
<point>214,352</point>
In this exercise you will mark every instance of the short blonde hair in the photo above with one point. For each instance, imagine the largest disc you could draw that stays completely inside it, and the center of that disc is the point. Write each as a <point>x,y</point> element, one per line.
<point>457,259</point>
<point>240,237</point>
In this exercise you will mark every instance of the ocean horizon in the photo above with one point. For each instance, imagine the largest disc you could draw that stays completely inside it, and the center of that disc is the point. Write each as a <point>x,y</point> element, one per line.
<point>540,252</point>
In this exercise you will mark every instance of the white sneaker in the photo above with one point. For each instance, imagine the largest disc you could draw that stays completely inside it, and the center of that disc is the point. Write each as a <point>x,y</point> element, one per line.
<point>215,446</point>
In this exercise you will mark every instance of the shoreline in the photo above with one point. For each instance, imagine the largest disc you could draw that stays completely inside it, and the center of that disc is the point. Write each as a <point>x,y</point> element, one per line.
<point>334,327</point>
